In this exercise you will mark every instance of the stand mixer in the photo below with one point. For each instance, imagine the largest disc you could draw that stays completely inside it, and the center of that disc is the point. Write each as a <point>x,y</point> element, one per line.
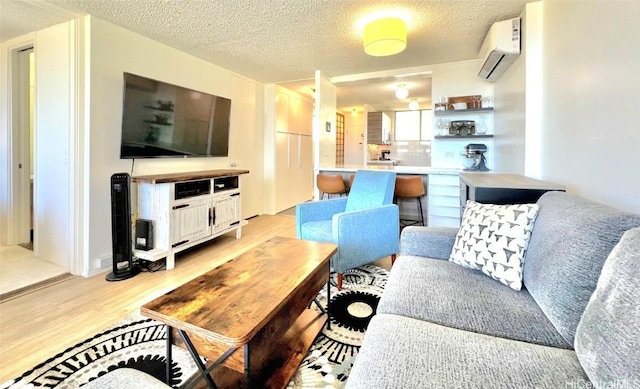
<point>475,152</point>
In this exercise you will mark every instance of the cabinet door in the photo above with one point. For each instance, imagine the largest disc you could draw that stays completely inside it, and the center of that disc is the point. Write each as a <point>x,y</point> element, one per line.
<point>282,112</point>
<point>190,221</point>
<point>306,118</point>
<point>374,128</point>
<point>225,212</point>
<point>286,193</point>
<point>295,106</point>
<point>305,168</point>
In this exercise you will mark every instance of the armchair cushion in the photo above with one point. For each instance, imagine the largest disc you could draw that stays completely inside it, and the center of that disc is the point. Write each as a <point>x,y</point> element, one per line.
<point>371,189</point>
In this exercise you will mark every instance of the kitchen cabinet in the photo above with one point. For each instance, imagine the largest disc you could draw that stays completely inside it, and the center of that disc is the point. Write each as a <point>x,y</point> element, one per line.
<point>378,128</point>
<point>188,209</point>
<point>288,149</point>
<point>444,200</point>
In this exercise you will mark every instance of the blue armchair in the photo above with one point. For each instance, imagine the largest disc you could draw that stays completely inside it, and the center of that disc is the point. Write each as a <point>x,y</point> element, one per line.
<point>364,225</point>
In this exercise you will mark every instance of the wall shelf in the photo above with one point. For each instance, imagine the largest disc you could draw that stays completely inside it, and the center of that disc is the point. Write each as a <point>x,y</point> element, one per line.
<point>154,122</point>
<point>461,111</point>
<point>463,136</point>
<point>159,109</point>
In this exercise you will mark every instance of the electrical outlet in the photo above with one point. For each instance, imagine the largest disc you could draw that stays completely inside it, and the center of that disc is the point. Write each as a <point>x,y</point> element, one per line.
<point>449,154</point>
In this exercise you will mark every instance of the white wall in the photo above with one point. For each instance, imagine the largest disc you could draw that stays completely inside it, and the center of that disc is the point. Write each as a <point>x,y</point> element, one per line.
<point>517,102</point>
<point>115,50</point>
<point>591,100</point>
<point>458,79</point>
<point>509,116</point>
<point>324,112</point>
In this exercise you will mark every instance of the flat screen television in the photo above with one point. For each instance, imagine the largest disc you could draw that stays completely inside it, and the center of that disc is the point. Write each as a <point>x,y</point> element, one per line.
<point>165,120</point>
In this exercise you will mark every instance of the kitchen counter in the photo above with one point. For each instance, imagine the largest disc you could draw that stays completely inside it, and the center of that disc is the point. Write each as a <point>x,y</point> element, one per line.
<point>511,181</point>
<point>423,170</point>
<point>387,162</point>
<point>442,191</point>
<point>496,188</point>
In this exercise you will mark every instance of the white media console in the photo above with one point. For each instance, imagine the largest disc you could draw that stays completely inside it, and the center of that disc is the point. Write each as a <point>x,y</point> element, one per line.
<point>187,209</point>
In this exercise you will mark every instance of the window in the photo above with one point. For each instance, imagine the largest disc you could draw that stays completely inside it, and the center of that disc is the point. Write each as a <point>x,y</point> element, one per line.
<point>414,125</point>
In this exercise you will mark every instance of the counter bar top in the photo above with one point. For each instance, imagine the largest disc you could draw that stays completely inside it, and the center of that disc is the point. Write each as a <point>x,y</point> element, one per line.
<point>424,170</point>
<point>511,181</point>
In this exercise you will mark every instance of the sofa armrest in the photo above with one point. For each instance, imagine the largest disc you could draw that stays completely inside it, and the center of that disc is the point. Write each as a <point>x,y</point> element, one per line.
<point>431,242</point>
<point>318,210</point>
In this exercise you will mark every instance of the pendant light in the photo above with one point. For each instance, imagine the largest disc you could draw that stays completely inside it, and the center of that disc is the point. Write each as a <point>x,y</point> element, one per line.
<point>413,105</point>
<point>387,36</point>
<point>402,92</point>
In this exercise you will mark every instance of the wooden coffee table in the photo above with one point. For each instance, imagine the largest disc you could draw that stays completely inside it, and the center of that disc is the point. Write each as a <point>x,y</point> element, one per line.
<point>249,317</point>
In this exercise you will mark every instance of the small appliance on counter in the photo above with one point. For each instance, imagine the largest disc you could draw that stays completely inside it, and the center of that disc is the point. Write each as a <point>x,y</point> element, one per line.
<point>385,155</point>
<point>474,152</point>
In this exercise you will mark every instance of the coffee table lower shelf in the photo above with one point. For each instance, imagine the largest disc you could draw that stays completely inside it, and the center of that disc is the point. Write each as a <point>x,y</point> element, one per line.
<point>272,362</point>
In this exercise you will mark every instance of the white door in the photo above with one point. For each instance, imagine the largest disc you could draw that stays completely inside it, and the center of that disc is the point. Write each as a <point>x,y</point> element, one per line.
<point>191,221</point>
<point>225,212</point>
<point>305,168</point>
<point>286,170</point>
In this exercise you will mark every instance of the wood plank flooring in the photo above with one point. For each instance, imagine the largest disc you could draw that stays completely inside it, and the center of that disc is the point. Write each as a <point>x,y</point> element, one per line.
<point>38,325</point>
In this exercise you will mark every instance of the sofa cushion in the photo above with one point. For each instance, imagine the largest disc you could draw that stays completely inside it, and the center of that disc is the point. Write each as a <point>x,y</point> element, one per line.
<point>126,378</point>
<point>607,336</point>
<point>494,238</point>
<point>569,244</point>
<point>400,352</point>
<point>451,295</point>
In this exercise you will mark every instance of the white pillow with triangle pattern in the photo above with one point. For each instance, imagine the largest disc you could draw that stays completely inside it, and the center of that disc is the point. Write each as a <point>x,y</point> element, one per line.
<point>494,238</point>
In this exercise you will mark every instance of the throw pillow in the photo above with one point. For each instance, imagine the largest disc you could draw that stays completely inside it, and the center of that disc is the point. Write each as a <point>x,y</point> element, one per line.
<point>494,238</point>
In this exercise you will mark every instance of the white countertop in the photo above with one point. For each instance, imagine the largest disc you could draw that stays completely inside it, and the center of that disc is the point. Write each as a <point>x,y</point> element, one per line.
<point>398,169</point>
<point>511,181</point>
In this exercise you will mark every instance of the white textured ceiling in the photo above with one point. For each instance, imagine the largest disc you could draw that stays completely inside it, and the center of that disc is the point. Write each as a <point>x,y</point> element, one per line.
<point>282,40</point>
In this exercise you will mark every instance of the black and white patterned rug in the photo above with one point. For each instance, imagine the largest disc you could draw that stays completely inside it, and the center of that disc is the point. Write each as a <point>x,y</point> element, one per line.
<point>139,343</point>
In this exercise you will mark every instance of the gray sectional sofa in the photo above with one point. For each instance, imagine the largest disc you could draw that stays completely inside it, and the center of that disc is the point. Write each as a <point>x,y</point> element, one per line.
<point>441,325</point>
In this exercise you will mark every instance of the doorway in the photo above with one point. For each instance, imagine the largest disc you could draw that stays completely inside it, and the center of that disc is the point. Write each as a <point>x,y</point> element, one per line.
<point>25,137</point>
<point>20,268</point>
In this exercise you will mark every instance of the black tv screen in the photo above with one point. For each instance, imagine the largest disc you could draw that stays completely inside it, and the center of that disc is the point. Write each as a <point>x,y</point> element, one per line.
<point>165,120</point>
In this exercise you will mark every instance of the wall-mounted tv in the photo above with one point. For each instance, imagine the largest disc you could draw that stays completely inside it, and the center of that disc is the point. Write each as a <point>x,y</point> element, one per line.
<point>165,120</point>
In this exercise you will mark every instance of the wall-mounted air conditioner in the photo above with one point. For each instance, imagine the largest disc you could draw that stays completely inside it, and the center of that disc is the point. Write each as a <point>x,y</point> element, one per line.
<point>500,48</point>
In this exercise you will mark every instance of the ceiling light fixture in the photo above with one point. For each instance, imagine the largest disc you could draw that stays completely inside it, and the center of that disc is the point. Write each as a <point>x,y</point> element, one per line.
<point>402,92</point>
<point>413,105</point>
<point>387,36</point>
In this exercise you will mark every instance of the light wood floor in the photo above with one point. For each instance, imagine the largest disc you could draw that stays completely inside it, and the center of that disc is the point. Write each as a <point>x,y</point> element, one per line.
<point>19,268</point>
<point>40,324</point>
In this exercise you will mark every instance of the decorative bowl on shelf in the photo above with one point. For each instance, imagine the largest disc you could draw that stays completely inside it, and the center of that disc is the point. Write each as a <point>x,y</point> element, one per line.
<point>459,105</point>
